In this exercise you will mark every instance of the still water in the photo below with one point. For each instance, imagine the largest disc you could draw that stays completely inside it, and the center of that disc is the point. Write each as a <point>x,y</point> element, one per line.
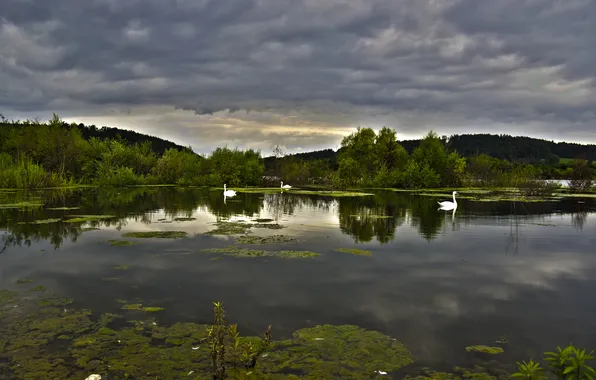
<point>437,281</point>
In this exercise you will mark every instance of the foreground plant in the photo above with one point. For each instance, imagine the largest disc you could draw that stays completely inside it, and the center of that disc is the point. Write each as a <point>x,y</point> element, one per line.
<point>529,371</point>
<point>570,363</point>
<point>221,335</point>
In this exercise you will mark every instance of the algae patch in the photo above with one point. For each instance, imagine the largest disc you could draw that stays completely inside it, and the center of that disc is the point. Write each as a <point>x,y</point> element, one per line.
<point>242,252</point>
<point>485,349</point>
<point>355,251</point>
<point>39,288</point>
<point>23,280</point>
<point>230,228</point>
<point>345,351</point>
<point>24,204</point>
<point>87,218</point>
<point>274,239</point>
<point>42,221</point>
<point>156,234</point>
<point>62,208</point>
<point>122,267</point>
<point>140,307</point>
<point>121,243</point>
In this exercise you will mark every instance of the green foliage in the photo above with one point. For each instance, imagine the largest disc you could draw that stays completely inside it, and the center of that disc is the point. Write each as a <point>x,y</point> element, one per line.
<point>581,176</point>
<point>570,363</point>
<point>529,371</point>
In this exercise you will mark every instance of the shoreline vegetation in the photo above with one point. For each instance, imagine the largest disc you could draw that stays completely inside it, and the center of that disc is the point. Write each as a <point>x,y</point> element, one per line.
<point>55,154</point>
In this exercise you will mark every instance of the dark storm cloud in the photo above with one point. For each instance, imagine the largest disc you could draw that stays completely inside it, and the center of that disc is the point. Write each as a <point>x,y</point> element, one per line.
<point>526,66</point>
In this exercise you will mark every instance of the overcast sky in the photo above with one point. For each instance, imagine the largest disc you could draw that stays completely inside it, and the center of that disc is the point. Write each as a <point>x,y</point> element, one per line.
<point>303,73</point>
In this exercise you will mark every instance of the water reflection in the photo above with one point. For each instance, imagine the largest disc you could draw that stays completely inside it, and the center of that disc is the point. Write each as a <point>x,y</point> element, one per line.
<point>365,219</point>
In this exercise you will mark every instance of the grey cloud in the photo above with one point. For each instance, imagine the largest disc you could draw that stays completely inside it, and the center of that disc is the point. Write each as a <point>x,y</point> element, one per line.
<point>515,65</point>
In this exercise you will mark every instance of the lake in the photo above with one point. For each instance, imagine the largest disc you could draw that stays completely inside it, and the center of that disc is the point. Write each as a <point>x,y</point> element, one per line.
<point>437,281</point>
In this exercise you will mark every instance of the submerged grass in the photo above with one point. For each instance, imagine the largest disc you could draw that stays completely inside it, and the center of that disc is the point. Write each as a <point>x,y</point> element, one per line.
<point>485,349</point>
<point>42,221</point>
<point>23,204</point>
<point>243,252</point>
<point>273,239</point>
<point>122,243</point>
<point>355,251</point>
<point>87,218</point>
<point>156,234</point>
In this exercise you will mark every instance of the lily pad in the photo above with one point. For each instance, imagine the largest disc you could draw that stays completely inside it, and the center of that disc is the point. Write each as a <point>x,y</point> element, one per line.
<point>230,228</point>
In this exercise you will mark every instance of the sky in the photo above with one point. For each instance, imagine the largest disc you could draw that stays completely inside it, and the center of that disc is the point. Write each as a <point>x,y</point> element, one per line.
<point>303,74</point>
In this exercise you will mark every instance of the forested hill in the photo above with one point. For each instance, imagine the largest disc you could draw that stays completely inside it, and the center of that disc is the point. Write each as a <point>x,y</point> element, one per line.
<point>158,145</point>
<point>517,149</point>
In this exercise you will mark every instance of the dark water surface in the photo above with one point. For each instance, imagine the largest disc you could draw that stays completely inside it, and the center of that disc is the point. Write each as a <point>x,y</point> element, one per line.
<point>435,281</point>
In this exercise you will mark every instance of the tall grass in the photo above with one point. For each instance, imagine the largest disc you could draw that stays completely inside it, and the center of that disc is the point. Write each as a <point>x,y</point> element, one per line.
<point>23,173</point>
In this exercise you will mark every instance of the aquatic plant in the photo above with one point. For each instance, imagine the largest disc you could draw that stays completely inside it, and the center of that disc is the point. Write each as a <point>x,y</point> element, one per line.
<point>121,243</point>
<point>156,234</point>
<point>345,351</point>
<point>529,371</point>
<point>354,251</point>
<point>243,252</point>
<point>230,228</point>
<point>485,349</point>
<point>258,240</point>
<point>221,334</point>
<point>570,363</point>
<point>87,218</point>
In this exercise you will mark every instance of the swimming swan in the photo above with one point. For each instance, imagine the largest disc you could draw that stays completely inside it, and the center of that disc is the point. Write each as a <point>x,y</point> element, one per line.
<point>285,186</point>
<point>446,205</point>
<point>228,193</point>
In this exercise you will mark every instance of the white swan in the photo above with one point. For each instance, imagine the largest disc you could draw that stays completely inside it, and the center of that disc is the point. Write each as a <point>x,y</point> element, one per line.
<point>446,205</point>
<point>285,186</point>
<point>228,193</point>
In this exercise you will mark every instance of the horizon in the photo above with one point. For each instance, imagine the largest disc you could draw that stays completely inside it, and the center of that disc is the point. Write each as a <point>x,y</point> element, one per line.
<point>303,74</point>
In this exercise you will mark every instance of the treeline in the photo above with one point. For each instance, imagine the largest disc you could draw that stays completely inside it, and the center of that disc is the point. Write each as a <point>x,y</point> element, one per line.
<point>53,154</point>
<point>504,147</point>
<point>369,159</point>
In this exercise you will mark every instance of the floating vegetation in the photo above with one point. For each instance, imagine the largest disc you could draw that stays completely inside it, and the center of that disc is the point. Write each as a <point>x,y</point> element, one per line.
<point>230,228</point>
<point>271,226</point>
<point>476,373</point>
<point>502,340</point>
<point>331,193</point>
<point>122,267</point>
<point>274,239</point>
<point>184,219</point>
<point>24,204</point>
<point>263,220</point>
<point>242,252</point>
<point>485,349</point>
<point>111,278</point>
<point>90,229</point>
<point>54,301</point>
<point>156,234</point>
<point>371,216</point>
<point>345,351</point>
<point>6,296</point>
<point>354,251</point>
<point>42,221</point>
<point>23,280</point>
<point>122,243</point>
<point>62,208</point>
<point>39,288</point>
<point>140,307</point>
<point>87,218</point>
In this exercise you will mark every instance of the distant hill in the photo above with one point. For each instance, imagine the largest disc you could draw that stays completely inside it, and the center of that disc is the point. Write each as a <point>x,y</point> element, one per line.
<point>158,145</point>
<point>516,149</point>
